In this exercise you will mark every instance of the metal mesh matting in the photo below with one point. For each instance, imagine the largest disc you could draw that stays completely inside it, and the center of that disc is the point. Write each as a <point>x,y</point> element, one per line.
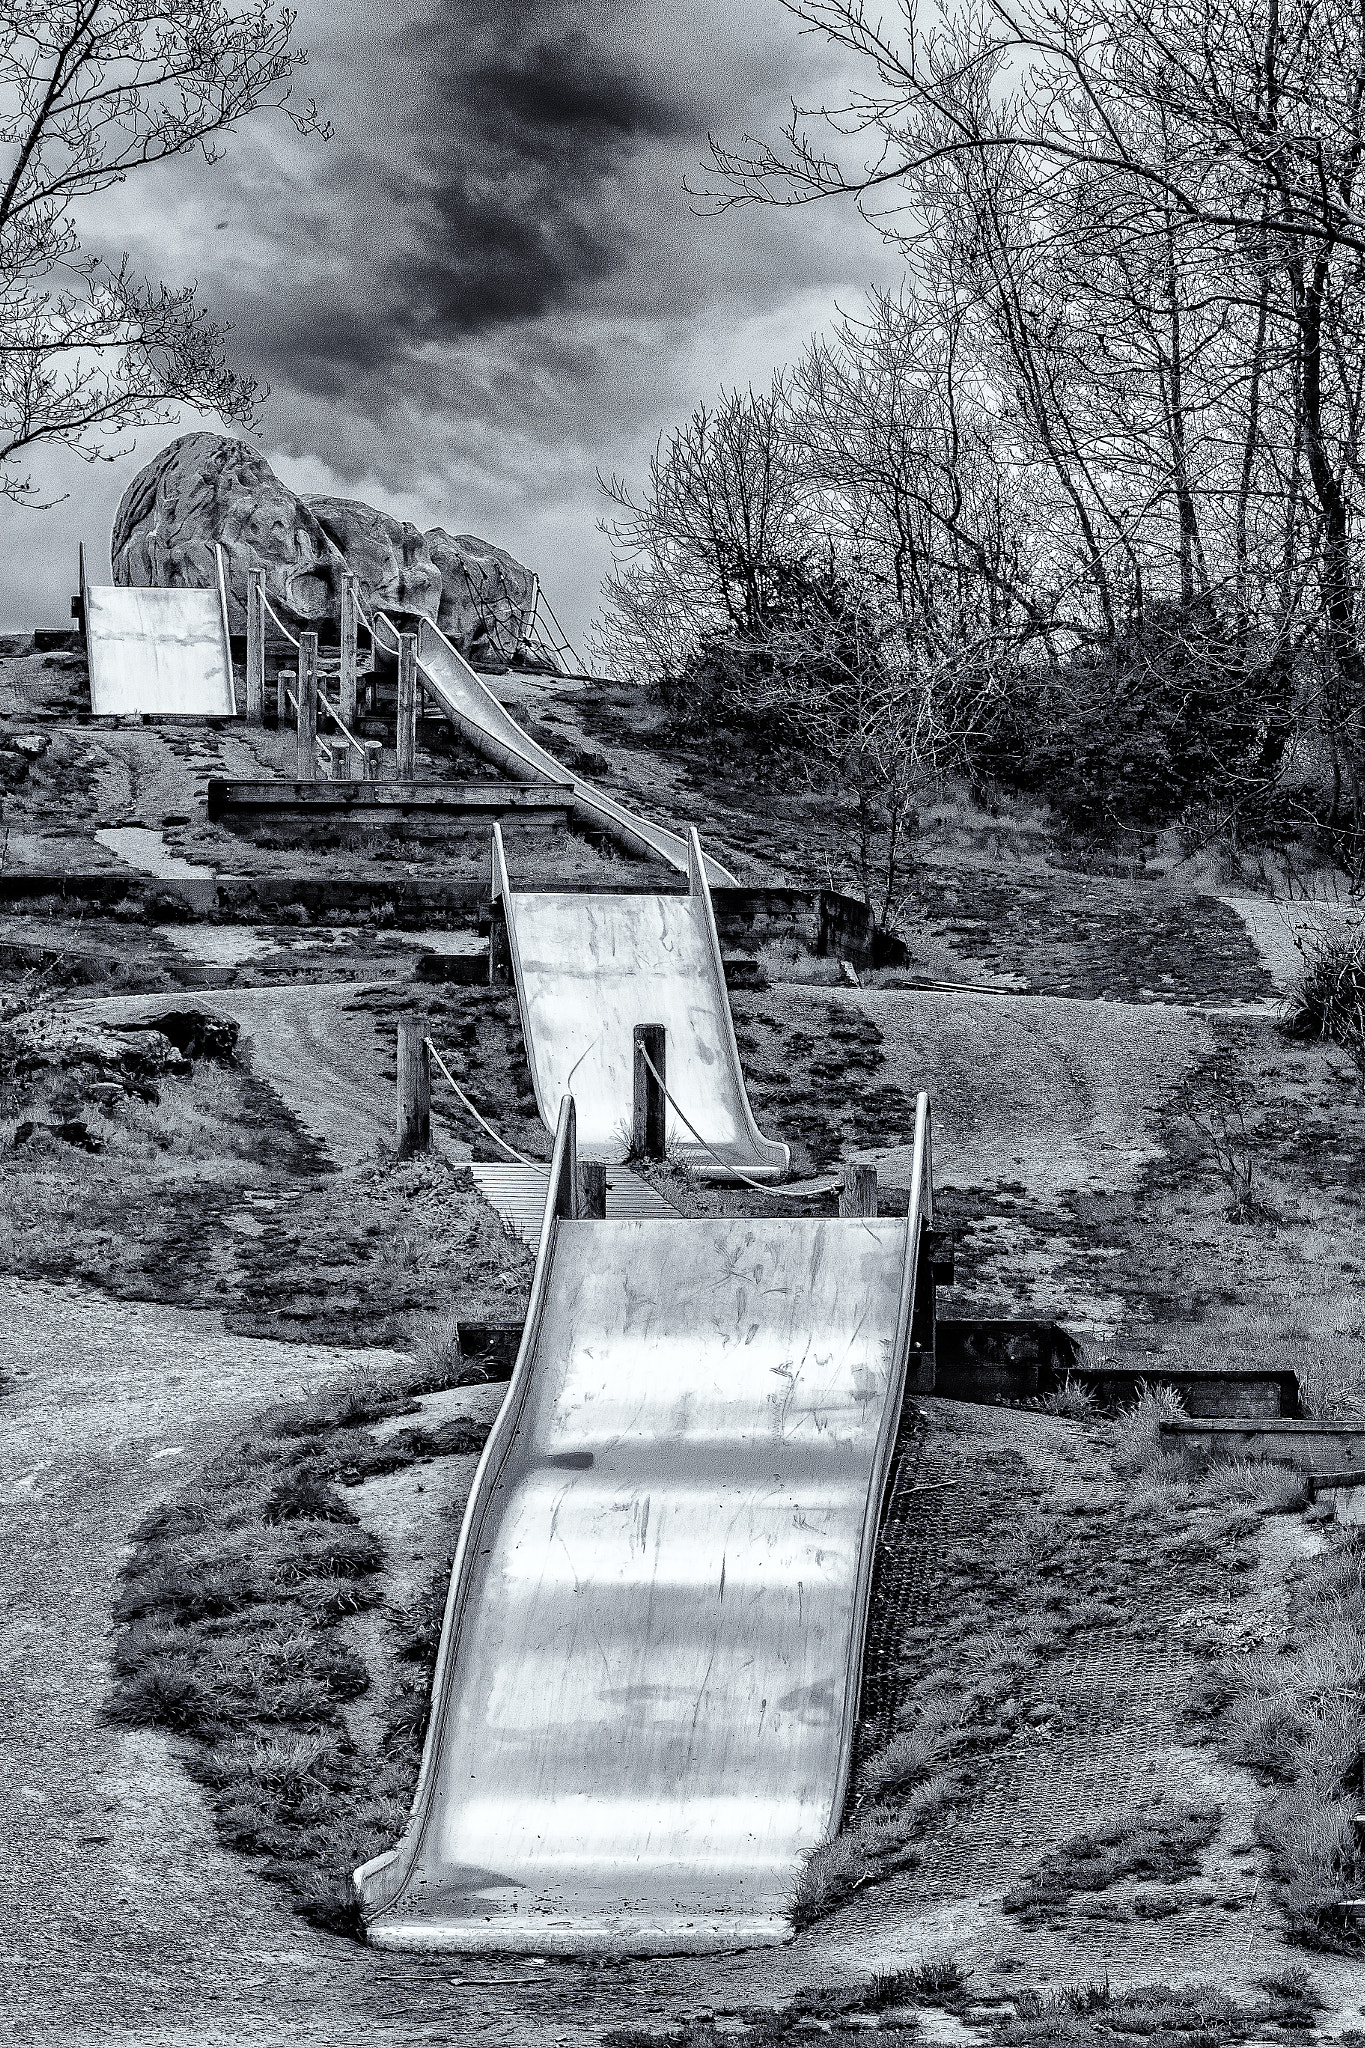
<point>1115,1694</point>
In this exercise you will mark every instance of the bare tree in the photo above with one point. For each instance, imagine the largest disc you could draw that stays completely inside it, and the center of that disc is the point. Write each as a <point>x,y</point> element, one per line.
<point>1162,214</point>
<point>722,521</point>
<point>91,93</point>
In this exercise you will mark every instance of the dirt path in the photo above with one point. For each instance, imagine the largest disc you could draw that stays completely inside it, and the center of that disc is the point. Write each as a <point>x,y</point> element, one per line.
<point>123,1916</point>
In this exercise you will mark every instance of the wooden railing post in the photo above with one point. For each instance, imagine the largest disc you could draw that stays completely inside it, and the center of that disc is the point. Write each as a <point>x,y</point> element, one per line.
<point>286,685</point>
<point>858,1196</point>
<point>592,1189</point>
<point>350,641</point>
<point>306,766</point>
<point>648,1124</point>
<point>414,1088</point>
<point>255,646</point>
<point>407,706</point>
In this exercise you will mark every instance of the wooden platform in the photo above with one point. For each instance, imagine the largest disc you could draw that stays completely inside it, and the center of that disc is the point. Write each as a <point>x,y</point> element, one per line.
<point>518,1195</point>
<point>446,804</point>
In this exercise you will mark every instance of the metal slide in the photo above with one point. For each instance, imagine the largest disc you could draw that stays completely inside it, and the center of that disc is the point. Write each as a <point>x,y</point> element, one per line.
<point>475,711</point>
<point>157,651</point>
<point>588,969</point>
<point>648,1680</point>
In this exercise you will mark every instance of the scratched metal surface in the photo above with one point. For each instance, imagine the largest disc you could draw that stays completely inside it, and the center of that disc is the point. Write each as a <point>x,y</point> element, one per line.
<point>157,651</point>
<point>589,969</point>
<point>493,730</point>
<point>648,1682</point>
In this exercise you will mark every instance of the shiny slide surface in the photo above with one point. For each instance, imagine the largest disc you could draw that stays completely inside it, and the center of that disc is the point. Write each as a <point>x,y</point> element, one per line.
<point>648,1680</point>
<point>476,712</point>
<point>157,651</point>
<point>588,969</point>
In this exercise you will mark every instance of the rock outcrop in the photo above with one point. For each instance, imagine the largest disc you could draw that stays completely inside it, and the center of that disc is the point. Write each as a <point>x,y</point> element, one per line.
<point>207,490</point>
<point>391,558</point>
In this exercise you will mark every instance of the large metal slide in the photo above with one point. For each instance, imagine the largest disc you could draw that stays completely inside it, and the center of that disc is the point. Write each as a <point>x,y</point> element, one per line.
<point>157,652</point>
<point>648,1679</point>
<point>493,732</point>
<point>588,968</point>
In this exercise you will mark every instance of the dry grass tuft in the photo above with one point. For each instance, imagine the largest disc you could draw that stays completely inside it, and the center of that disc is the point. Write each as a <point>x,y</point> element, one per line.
<point>1328,999</point>
<point>1138,1446</point>
<point>1073,1401</point>
<point>833,1870</point>
<point>1296,1714</point>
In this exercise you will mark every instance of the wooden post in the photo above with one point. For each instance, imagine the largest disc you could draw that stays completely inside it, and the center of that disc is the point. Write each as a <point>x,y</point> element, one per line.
<point>414,1088</point>
<point>341,760</point>
<point>286,683</point>
<point>407,706</point>
<point>255,646</point>
<point>350,638</point>
<point>306,766</point>
<point>592,1189</point>
<point>648,1125</point>
<point>373,759</point>
<point>858,1196</point>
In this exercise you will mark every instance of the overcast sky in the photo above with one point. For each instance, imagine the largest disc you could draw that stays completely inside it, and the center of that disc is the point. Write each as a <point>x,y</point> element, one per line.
<point>489,283</point>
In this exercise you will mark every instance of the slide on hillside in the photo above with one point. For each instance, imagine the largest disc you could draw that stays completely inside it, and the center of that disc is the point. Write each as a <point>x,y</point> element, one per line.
<point>648,1679</point>
<point>160,652</point>
<point>493,732</point>
<point>588,969</point>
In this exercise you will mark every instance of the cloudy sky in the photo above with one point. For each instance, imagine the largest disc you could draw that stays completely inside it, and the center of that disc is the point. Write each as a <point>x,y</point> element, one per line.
<point>489,283</point>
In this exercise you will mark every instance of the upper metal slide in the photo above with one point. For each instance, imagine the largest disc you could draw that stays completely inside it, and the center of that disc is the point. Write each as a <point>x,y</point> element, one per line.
<point>493,732</point>
<point>648,1679</point>
<point>588,969</point>
<point>163,652</point>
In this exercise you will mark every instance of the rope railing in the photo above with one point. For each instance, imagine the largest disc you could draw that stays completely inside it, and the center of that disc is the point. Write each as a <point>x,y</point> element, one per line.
<point>481,1121</point>
<point>323,698</point>
<point>557,639</point>
<point>764,1187</point>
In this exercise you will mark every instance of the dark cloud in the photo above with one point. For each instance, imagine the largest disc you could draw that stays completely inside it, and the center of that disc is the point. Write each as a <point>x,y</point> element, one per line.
<point>565,88</point>
<point>499,166</point>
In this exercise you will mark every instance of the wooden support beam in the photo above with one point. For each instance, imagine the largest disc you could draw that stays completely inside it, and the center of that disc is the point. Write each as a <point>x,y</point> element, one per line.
<point>255,646</point>
<point>499,950</point>
<point>414,1088</point>
<point>649,1121</point>
<point>350,641</point>
<point>924,1322</point>
<point>373,759</point>
<point>592,1189</point>
<point>407,707</point>
<point>286,686</point>
<point>306,763</point>
<point>858,1196</point>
